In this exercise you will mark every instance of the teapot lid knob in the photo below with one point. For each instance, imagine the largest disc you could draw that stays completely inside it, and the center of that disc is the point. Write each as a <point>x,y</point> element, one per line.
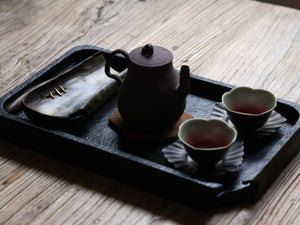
<point>150,56</point>
<point>147,50</point>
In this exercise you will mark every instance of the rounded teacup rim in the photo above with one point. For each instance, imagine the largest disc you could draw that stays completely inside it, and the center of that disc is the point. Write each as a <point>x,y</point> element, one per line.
<point>208,121</point>
<point>253,90</point>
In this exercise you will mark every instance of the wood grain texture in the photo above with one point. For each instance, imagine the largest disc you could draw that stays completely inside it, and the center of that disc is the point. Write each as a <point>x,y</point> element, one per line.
<point>241,42</point>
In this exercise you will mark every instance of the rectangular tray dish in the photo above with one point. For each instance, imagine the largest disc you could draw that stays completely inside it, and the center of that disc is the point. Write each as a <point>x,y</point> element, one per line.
<point>94,145</point>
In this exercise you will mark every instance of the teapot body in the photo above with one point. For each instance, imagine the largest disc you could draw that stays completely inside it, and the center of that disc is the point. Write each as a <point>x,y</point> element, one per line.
<point>147,100</point>
<point>152,98</point>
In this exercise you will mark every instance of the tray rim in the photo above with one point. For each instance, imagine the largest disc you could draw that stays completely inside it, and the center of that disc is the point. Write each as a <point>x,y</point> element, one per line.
<point>11,118</point>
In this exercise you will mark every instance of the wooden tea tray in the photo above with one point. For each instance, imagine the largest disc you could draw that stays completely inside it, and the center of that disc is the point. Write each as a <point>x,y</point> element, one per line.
<point>95,145</point>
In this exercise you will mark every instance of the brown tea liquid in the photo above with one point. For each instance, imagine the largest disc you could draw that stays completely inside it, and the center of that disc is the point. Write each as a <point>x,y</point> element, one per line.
<point>199,140</point>
<point>249,108</point>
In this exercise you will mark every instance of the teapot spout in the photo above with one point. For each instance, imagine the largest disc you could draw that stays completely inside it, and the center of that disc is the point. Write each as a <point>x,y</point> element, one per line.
<point>185,83</point>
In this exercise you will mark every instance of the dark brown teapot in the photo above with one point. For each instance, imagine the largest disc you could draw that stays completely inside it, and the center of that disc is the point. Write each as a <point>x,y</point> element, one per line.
<point>152,96</point>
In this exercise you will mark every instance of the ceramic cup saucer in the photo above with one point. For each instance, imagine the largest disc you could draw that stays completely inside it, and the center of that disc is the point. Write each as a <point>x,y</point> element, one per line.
<point>274,122</point>
<point>176,154</point>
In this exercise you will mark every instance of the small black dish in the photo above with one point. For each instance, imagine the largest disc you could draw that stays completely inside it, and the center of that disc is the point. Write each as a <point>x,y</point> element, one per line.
<point>274,122</point>
<point>177,155</point>
<point>247,108</point>
<point>206,141</point>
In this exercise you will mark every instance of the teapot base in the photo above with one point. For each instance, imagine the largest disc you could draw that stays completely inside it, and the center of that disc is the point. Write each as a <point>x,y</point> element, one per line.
<point>117,124</point>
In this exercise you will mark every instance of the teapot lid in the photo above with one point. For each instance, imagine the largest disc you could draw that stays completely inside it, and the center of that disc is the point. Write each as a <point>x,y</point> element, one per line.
<point>151,56</point>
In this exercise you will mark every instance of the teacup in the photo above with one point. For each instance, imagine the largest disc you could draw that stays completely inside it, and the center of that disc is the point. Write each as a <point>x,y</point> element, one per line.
<point>206,141</point>
<point>247,108</point>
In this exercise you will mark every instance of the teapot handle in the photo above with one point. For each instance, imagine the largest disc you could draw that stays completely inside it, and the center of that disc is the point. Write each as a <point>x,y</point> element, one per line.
<point>108,63</point>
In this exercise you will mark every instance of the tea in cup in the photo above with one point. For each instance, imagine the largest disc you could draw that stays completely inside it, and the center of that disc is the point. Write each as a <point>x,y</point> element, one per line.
<point>247,108</point>
<point>206,141</point>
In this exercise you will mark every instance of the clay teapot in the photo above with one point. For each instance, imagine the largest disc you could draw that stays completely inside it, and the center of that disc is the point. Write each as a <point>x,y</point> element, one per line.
<point>152,96</point>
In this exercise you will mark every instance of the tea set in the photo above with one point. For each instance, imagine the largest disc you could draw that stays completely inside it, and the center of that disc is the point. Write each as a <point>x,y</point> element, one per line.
<point>152,99</point>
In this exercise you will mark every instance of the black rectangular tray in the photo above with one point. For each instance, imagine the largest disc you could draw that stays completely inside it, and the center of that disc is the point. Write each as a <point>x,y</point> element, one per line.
<point>94,145</point>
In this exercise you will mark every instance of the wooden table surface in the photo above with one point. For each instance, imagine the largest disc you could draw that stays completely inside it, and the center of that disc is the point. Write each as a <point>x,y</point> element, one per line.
<point>240,42</point>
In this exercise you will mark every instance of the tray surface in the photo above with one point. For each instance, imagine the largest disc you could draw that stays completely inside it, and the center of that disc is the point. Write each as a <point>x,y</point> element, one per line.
<point>95,145</point>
